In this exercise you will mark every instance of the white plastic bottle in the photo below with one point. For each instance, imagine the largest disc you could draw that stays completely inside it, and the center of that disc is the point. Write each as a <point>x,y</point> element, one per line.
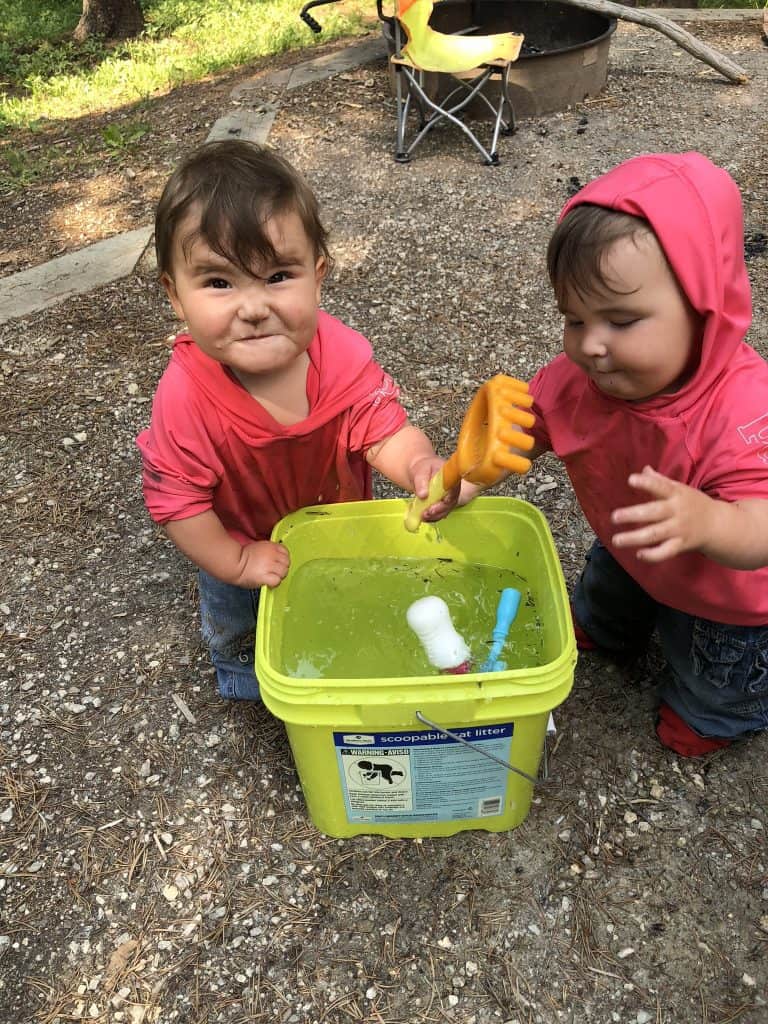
<point>430,620</point>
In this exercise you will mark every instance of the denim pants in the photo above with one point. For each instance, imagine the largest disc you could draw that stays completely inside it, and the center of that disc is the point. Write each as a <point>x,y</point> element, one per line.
<point>228,623</point>
<point>717,675</point>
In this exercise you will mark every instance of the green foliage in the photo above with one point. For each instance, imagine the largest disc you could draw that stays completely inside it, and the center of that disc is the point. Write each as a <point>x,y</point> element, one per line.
<point>124,136</point>
<point>29,22</point>
<point>44,75</point>
<point>19,168</point>
<point>33,36</point>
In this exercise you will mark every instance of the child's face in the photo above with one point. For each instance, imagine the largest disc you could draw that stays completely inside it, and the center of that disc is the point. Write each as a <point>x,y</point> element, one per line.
<point>638,337</point>
<point>256,325</point>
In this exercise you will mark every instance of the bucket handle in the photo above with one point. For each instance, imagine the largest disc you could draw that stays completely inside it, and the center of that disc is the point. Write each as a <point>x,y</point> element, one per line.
<point>485,753</point>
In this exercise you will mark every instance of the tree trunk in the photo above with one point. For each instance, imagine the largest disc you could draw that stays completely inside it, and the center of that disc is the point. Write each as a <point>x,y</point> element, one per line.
<point>684,39</point>
<point>112,19</point>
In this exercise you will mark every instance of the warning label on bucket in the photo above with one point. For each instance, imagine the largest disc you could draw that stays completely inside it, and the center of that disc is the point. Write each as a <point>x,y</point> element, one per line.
<point>408,776</point>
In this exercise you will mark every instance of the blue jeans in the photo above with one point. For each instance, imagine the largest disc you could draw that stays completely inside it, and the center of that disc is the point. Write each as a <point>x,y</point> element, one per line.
<point>717,675</point>
<point>228,623</point>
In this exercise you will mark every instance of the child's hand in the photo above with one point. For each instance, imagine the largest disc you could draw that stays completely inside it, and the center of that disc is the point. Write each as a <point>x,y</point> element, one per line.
<point>468,492</point>
<point>422,471</point>
<point>263,564</point>
<point>679,519</point>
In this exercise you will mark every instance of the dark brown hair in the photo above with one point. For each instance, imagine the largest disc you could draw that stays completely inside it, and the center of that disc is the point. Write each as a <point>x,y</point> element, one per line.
<point>577,246</point>
<point>237,187</point>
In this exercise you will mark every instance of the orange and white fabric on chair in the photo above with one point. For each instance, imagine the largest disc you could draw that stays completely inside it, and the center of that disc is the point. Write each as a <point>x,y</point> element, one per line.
<point>472,60</point>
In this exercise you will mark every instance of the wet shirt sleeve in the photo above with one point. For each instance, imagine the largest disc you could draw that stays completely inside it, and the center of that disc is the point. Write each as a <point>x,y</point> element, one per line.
<point>378,414</point>
<point>180,465</point>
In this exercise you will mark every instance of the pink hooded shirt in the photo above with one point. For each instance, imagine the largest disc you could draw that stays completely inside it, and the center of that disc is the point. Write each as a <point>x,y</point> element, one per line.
<point>211,445</point>
<point>712,434</point>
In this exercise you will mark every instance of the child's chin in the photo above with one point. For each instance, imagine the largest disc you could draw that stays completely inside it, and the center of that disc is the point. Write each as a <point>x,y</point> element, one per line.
<point>623,394</point>
<point>607,386</point>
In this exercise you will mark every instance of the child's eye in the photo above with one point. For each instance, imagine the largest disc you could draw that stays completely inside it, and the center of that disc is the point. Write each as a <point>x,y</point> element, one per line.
<point>278,277</point>
<point>216,282</point>
<point>623,323</point>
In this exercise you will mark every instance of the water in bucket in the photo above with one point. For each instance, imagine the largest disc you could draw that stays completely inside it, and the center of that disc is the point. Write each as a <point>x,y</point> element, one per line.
<point>353,615</point>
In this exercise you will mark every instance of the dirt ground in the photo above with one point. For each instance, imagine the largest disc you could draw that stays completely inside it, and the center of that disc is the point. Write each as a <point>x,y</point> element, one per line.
<point>157,862</point>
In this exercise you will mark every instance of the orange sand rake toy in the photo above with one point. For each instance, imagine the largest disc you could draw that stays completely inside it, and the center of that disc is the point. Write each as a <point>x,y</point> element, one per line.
<point>482,453</point>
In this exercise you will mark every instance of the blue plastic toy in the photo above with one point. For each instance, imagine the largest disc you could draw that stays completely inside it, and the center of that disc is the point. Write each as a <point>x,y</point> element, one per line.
<point>506,612</point>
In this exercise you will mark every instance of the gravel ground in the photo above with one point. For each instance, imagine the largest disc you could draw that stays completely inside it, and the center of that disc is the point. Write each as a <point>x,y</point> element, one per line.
<point>156,860</point>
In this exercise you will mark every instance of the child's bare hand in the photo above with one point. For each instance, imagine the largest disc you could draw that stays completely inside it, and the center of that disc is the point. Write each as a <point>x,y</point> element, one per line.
<point>441,508</point>
<point>263,564</point>
<point>677,520</point>
<point>468,492</point>
<point>422,471</point>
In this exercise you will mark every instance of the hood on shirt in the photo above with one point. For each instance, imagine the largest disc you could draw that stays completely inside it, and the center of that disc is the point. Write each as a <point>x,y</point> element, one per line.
<point>695,211</point>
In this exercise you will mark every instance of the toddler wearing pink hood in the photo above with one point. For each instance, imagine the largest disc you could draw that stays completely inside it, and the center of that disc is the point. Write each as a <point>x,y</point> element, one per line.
<point>658,409</point>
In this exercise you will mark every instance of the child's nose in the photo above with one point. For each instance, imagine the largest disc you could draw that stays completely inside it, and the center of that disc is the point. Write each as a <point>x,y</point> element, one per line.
<point>253,302</point>
<point>593,342</point>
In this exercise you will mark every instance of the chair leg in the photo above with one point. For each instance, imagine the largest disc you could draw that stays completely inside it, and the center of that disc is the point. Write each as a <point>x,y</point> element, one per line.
<point>510,126</point>
<point>432,113</point>
<point>442,112</point>
<point>499,120</point>
<point>402,156</point>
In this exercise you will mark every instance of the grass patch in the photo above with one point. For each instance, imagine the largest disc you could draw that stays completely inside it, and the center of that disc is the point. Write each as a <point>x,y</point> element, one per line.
<point>45,76</point>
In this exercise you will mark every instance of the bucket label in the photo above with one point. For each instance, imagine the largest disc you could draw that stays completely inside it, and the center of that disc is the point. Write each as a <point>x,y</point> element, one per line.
<point>407,776</point>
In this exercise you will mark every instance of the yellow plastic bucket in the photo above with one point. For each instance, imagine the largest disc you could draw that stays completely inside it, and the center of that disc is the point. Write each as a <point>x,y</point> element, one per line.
<point>383,754</point>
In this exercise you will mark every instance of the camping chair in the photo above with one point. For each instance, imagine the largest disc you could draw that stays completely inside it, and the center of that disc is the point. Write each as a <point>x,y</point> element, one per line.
<point>471,61</point>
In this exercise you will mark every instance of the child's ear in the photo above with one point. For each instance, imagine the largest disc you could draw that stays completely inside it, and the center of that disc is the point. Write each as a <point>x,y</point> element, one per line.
<point>170,290</point>
<point>321,269</point>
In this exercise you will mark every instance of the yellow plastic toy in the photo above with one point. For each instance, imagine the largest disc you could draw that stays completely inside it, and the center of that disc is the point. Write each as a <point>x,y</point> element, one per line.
<point>435,51</point>
<point>482,453</point>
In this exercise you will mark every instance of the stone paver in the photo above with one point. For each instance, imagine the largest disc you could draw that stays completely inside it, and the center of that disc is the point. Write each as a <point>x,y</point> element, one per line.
<point>74,274</point>
<point>252,124</point>
<point>335,63</point>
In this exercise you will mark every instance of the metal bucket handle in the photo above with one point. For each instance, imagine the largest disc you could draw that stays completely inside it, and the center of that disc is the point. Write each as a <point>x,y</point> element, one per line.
<point>491,757</point>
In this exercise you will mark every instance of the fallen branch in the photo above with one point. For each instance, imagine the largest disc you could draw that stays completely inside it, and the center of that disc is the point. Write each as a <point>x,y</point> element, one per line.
<point>684,39</point>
